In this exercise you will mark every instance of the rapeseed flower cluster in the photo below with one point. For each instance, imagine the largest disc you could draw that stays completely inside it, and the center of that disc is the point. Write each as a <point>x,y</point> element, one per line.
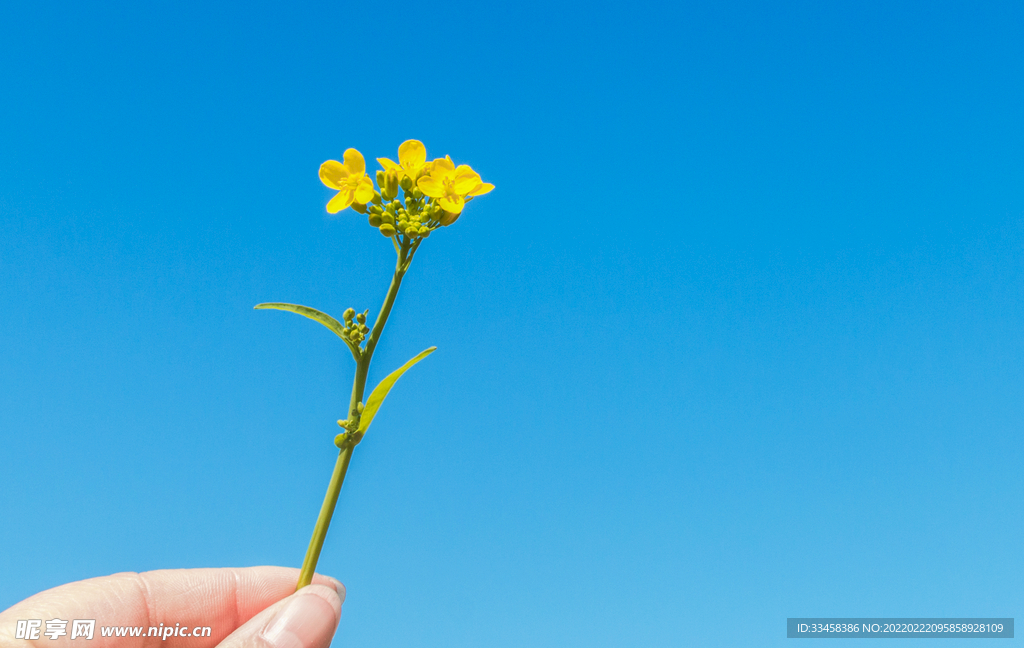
<point>354,331</point>
<point>434,193</point>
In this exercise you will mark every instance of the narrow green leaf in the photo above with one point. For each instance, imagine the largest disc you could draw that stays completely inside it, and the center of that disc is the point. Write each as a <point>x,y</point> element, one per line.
<point>380,392</point>
<point>311,313</point>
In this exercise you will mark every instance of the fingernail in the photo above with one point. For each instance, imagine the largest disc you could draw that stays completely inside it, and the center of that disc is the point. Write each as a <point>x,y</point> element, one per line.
<point>338,586</point>
<point>306,621</point>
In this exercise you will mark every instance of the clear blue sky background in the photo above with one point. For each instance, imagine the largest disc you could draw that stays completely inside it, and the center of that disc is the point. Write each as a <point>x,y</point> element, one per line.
<point>738,336</point>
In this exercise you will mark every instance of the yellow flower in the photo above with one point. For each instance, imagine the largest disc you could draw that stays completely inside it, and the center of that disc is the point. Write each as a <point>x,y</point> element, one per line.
<point>349,179</point>
<point>451,185</point>
<point>412,156</point>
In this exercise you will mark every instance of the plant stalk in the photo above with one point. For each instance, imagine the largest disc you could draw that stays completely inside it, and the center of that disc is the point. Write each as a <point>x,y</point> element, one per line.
<point>323,521</point>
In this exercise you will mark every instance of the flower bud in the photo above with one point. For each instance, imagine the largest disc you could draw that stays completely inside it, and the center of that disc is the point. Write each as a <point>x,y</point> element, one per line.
<point>391,183</point>
<point>375,220</point>
<point>343,424</point>
<point>375,209</point>
<point>406,183</point>
<point>447,218</point>
<point>349,314</point>
<point>380,179</point>
<point>376,198</point>
<point>387,218</point>
<point>387,230</point>
<point>361,317</point>
<point>358,207</point>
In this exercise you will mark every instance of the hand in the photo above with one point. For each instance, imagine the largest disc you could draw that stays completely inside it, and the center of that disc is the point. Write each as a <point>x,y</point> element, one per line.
<point>253,606</point>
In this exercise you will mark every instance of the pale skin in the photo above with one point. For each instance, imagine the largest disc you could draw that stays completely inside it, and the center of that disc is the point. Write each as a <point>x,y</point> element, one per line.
<point>250,607</point>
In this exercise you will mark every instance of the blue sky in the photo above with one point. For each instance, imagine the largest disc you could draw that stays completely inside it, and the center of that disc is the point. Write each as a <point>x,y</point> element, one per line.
<point>738,336</point>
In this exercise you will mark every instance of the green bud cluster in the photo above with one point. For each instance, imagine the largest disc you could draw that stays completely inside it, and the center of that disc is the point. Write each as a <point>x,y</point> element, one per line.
<point>352,423</point>
<point>410,217</point>
<point>355,330</point>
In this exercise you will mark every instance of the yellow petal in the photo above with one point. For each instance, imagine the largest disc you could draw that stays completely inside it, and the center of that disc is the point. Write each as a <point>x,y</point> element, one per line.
<point>464,184</point>
<point>354,162</point>
<point>454,206</point>
<point>364,192</point>
<point>444,164</point>
<point>342,200</point>
<point>412,154</point>
<point>484,187</point>
<point>333,174</point>
<point>387,164</point>
<point>430,186</point>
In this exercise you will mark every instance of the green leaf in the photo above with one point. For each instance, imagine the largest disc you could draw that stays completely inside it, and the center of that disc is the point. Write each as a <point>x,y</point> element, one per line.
<point>380,392</point>
<point>311,313</point>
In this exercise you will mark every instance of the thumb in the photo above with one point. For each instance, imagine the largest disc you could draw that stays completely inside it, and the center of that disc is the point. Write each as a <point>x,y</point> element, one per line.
<point>306,619</point>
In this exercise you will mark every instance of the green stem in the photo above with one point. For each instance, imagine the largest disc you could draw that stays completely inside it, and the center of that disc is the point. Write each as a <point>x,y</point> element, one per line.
<point>323,521</point>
